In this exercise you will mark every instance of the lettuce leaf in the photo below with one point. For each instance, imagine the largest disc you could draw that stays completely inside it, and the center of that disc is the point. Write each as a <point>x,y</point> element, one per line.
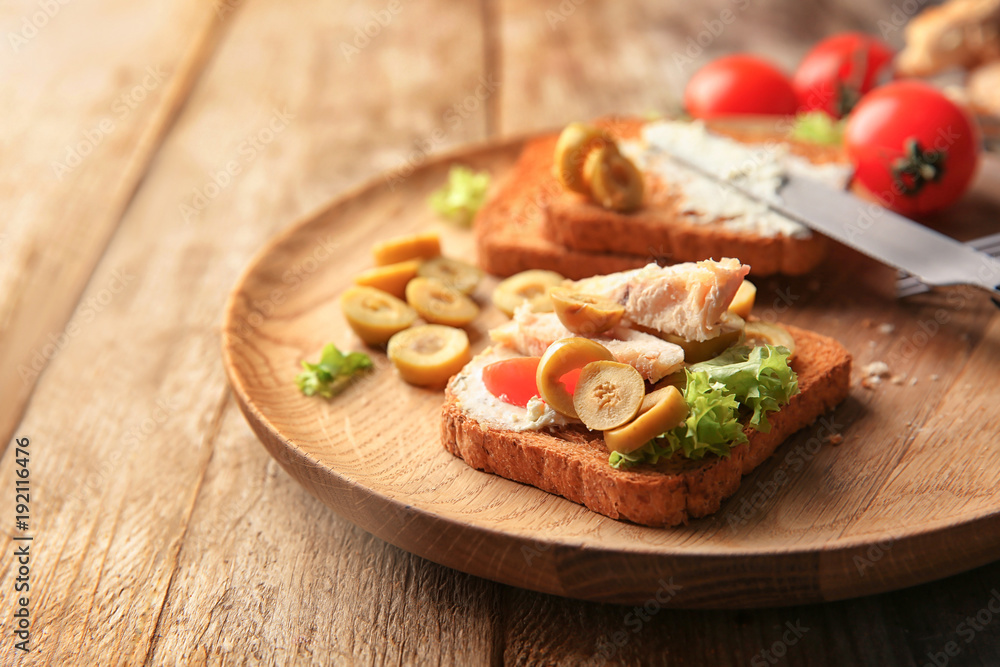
<point>755,379</point>
<point>463,195</point>
<point>817,127</point>
<point>712,427</point>
<point>332,372</point>
<point>759,377</point>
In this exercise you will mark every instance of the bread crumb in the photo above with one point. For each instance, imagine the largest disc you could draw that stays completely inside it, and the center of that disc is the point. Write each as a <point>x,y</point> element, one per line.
<point>872,344</point>
<point>897,380</point>
<point>874,372</point>
<point>835,439</point>
<point>935,377</point>
<point>871,381</point>
<point>877,369</point>
<point>913,381</point>
<point>886,328</point>
<point>866,323</point>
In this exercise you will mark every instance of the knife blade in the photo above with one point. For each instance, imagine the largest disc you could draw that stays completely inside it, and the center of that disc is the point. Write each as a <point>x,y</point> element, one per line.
<point>872,229</point>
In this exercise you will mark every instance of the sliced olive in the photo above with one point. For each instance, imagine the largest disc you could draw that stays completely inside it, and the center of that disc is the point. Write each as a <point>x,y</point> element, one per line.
<point>574,145</point>
<point>526,287</point>
<point>615,183</point>
<point>375,315</point>
<point>439,304</point>
<point>762,333</point>
<point>414,246</point>
<point>608,395</point>
<point>678,380</point>
<point>454,273</point>
<point>660,411</point>
<point>585,313</point>
<point>703,350</point>
<point>429,354</point>
<point>742,303</point>
<point>391,278</point>
<point>563,356</point>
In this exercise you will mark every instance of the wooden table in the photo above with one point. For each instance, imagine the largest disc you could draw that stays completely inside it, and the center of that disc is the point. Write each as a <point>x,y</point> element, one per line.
<point>151,147</point>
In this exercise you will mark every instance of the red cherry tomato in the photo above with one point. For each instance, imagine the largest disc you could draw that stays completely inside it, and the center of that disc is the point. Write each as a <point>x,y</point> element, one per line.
<point>739,84</point>
<point>912,147</point>
<point>512,380</point>
<point>839,70</point>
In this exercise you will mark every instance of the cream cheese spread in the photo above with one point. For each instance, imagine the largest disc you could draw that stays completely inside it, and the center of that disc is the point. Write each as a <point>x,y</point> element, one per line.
<point>478,403</point>
<point>758,168</point>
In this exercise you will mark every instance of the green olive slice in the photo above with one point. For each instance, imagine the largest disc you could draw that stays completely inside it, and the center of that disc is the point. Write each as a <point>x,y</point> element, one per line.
<point>702,350</point>
<point>574,145</point>
<point>584,313</point>
<point>423,245</point>
<point>428,355</point>
<point>452,272</point>
<point>526,287</point>
<point>391,278</point>
<point>608,395</point>
<point>561,357</point>
<point>743,302</point>
<point>661,411</point>
<point>375,315</point>
<point>763,333</point>
<point>615,183</point>
<point>440,304</point>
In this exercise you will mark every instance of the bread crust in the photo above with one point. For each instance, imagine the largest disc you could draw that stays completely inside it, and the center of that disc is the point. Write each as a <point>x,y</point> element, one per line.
<point>573,463</point>
<point>534,223</point>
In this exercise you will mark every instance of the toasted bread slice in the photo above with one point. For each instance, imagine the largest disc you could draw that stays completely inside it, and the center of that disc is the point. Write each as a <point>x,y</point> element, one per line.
<point>510,227</point>
<point>573,462</point>
<point>534,223</point>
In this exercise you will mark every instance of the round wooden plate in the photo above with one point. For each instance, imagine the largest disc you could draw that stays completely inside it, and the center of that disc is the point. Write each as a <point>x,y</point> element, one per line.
<point>908,497</point>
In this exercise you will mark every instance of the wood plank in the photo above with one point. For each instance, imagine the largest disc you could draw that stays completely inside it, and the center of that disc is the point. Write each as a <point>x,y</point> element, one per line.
<point>237,505</point>
<point>92,108</point>
<point>896,629</point>
<point>268,573</point>
<point>156,436</point>
<point>566,61</point>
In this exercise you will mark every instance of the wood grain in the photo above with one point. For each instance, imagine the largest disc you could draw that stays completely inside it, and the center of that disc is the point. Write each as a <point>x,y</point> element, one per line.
<point>120,502</point>
<point>154,498</point>
<point>92,108</point>
<point>793,531</point>
<point>565,61</point>
<point>355,596</point>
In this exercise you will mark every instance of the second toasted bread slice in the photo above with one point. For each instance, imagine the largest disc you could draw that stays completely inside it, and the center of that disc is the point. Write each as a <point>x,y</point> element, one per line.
<point>535,223</point>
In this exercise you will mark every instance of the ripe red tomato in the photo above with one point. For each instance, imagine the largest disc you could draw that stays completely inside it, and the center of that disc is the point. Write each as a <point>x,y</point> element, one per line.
<point>912,147</point>
<point>839,70</point>
<point>512,380</point>
<point>739,84</point>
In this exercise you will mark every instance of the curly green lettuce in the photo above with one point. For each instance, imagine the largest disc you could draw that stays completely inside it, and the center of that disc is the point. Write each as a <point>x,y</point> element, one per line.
<point>759,377</point>
<point>332,372</point>
<point>754,381</point>
<point>711,427</point>
<point>462,196</point>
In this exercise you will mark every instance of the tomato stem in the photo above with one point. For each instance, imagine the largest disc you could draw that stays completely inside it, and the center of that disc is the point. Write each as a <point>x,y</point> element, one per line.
<point>917,167</point>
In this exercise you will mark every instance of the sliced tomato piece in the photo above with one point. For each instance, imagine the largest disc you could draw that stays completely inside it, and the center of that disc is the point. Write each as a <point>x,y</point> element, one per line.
<point>512,380</point>
<point>570,379</point>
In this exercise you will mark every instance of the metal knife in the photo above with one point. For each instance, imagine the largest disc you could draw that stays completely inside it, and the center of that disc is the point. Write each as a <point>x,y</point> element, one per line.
<point>890,238</point>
